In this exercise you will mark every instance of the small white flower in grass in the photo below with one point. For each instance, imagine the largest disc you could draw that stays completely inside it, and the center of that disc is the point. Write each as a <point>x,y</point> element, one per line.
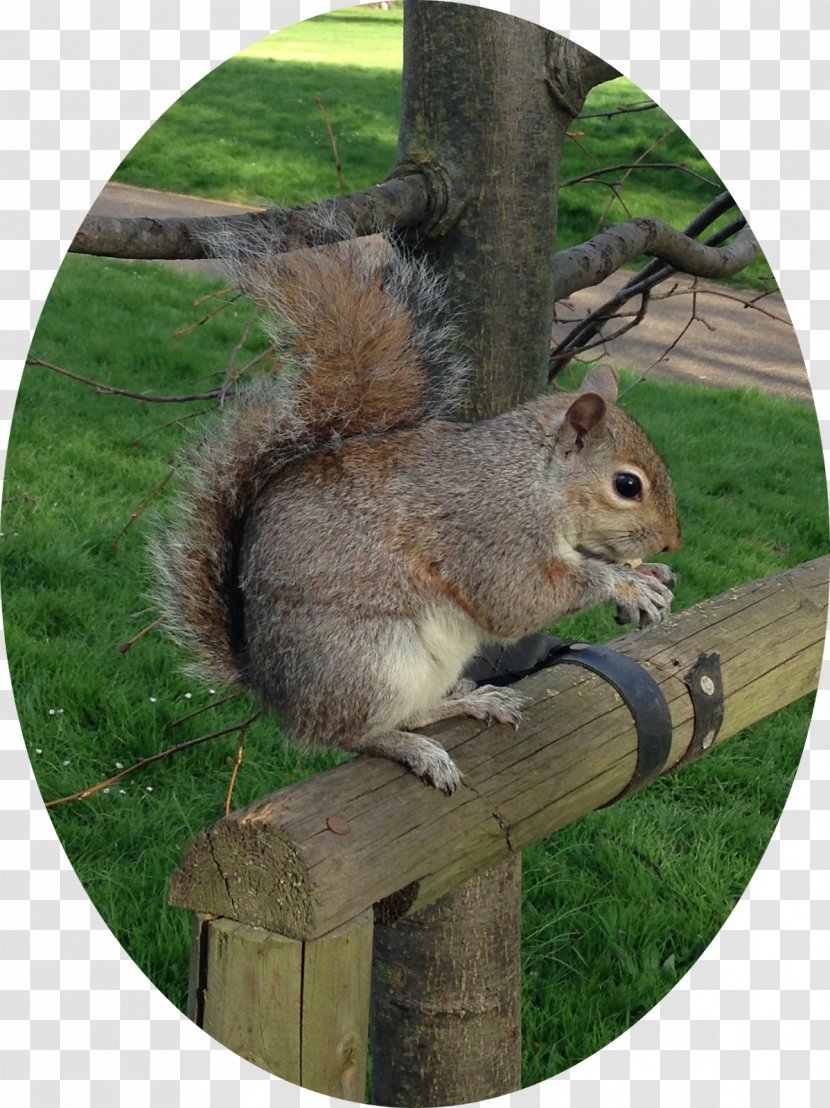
<point>212,692</point>
<point>123,792</point>
<point>106,790</point>
<point>51,711</point>
<point>119,765</point>
<point>149,788</point>
<point>38,750</point>
<point>152,700</point>
<point>66,763</point>
<point>188,695</point>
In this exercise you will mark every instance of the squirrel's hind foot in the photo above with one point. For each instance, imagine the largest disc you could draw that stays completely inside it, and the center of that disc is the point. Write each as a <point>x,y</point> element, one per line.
<point>425,757</point>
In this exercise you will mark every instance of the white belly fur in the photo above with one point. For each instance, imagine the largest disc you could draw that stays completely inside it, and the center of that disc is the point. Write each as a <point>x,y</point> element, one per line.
<point>425,660</point>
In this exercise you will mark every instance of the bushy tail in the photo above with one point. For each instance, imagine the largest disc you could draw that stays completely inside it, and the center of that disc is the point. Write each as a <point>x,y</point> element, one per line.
<point>364,349</point>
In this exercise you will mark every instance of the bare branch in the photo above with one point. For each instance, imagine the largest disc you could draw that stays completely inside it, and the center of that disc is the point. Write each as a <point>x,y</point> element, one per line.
<point>398,203</point>
<point>560,357</point>
<point>142,762</point>
<point>705,218</point>
<point>110,390</point>
<point>580,337</point>
<point>591,262</point>
<point>753,303</point>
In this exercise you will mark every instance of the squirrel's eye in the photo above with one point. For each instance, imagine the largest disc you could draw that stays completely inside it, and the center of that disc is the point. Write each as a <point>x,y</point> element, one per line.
<point>628,485</point>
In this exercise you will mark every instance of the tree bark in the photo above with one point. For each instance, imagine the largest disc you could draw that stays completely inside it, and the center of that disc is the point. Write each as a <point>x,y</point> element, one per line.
<point>445,1013</point>
<point>591,262</point>
<point>393,205</point>
<point>491,144</point>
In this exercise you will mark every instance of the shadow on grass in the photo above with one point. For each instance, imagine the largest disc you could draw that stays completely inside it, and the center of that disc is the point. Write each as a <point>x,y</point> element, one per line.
<point>251,129</point>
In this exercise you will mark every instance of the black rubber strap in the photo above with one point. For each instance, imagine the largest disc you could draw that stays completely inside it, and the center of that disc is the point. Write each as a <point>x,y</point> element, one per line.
<point>644,699</point>
<point>636,686</point>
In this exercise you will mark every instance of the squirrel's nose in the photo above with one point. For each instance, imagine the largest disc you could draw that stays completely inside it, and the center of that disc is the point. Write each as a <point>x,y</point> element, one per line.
<point>674,543</point>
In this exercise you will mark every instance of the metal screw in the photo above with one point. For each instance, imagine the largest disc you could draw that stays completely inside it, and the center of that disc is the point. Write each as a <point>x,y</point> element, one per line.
<point>707,685</point>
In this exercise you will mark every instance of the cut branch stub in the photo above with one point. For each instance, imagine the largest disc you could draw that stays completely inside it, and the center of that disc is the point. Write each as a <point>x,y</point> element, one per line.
<point>402,202</point>
<point>316,854</point>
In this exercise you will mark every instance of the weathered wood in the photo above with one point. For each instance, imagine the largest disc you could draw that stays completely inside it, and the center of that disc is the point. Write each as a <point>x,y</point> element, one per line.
<point>440,1035</point>
<point>337,972</point>
<point>278,863</point>
<point>251,994</point>
<point>298,1009</point>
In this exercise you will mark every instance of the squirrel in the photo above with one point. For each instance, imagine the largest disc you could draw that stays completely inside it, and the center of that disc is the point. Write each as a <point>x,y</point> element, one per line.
<point>344,548</point>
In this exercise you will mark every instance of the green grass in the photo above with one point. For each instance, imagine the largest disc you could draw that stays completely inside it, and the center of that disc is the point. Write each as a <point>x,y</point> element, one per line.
<point>250,131</point>
<point>617,906</point>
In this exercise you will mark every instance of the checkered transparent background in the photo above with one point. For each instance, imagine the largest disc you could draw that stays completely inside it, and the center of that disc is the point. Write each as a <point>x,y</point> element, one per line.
<point>751,83</point>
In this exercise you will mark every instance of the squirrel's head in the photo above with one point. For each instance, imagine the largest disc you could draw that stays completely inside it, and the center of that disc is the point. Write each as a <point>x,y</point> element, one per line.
<point>621,505</point>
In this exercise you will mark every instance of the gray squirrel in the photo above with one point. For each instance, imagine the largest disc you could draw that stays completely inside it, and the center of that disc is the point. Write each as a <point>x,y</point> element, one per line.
<point>343,549</point>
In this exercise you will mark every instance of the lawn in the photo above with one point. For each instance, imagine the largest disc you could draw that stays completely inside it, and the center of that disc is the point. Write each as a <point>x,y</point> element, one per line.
<point>251,132</point>
<point>617,907</point>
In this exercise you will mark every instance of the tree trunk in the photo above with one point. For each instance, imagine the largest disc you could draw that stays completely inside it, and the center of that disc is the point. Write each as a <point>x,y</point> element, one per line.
<point>487,99</point>
<point>446,997</point>
<point>446,993</point>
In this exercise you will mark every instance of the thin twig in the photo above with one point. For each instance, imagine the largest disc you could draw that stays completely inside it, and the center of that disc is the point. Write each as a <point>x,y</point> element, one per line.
<point>199,301</point>
<point>204,708</point>
<point>141,508</point>
<point>84,793</point>
<point>694,317</point>
<point>170,423</point>
<point>753,304</point>
<point>142,612</point>
<point>657,142</point>
<point>333,142</point>
<point>209,315</point>
<point>635,320</point>
<point>235,772</point>
<point>125,646</point>
<point>639,165</point>
<point>624,109</point>
<point>230,377</point>
<point>575,137</point>
<point>111,390</point>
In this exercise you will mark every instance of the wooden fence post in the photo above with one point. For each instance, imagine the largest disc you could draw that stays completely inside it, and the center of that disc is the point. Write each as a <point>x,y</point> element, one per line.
<point>298,1009</point>
<point>446,996</point>
<point>288,888</point>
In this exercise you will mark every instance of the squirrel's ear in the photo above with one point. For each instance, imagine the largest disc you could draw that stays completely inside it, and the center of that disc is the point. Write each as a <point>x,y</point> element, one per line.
<point>582,416</point>
<point>602,380</point>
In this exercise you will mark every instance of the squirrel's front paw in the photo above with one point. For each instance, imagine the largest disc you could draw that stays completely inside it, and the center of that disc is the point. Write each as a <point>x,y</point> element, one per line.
<point>663,573</point>
<point>642,597</point>
<point>489,703</point>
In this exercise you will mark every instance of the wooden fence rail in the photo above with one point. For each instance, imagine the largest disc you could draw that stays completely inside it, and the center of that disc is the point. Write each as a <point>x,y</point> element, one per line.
<point>314,864</point>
